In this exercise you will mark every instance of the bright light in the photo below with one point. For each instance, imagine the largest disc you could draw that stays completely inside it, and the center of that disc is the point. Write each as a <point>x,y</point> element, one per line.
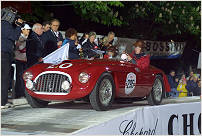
<point>65,85</point>
<point>29,84</point>
<point>27,76</point>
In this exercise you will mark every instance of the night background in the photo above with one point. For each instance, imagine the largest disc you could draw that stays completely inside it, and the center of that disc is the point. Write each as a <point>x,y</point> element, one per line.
<point>158,21</point>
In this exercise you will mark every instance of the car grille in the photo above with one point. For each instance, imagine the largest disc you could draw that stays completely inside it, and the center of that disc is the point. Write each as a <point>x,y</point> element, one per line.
<point>50,83</point>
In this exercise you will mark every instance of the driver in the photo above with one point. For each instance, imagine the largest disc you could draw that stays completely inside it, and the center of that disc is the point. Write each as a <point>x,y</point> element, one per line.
<point>138,57</point>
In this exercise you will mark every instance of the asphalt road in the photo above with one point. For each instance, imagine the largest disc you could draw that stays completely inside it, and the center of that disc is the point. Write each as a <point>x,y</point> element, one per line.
<point>64,118</point>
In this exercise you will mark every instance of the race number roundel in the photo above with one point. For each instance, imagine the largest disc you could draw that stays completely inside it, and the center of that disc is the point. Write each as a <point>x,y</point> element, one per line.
<point>65,65</point>
<point>130,83</point>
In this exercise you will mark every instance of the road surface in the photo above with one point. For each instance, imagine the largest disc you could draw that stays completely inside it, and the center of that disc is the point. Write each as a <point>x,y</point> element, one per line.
<point>65,118</point>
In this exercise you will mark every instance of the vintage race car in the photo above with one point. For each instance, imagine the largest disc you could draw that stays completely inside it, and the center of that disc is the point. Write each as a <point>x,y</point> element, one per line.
<point>99,80</point>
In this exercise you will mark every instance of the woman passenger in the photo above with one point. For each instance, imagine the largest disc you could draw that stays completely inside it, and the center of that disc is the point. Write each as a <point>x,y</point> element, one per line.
<point>89,46</point>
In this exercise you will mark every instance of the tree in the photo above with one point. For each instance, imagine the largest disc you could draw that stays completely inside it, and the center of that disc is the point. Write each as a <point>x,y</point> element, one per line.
<point>173,17</point>
<point>104,12</point>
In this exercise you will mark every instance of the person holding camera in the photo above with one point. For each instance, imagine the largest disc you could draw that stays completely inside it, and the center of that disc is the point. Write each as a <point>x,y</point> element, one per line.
<point>10,32</point>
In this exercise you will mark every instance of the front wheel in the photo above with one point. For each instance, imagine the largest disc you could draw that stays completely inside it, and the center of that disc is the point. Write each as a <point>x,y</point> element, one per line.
<point>157,92</point>
<point>103,94</point>
<point>34,102</point>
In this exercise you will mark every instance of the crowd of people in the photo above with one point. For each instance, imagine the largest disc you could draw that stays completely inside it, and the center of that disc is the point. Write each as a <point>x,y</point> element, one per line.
<point>28,45</point>
<point>32,44</point>
<point>182,86</point>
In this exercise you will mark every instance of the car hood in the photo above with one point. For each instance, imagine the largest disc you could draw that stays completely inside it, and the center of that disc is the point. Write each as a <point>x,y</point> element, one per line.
<point>70,66</point>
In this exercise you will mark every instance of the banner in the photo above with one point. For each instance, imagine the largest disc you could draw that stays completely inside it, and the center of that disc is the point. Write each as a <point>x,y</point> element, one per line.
<point>170,119</point>
<point>156,49</point>
<point>58,55</point>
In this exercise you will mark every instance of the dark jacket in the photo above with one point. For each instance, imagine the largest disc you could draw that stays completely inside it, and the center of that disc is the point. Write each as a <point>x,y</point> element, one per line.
<point>197,91</point>
<point>34,49</point>
<point>87,49</point>
<point>191,87</point>
<point>171,81</point>
<point>176,84</point>
<point>50,41</point>
<point>73,51</point>
<point>81,40</point>
<point>141,60</point>
<point>9,34</point>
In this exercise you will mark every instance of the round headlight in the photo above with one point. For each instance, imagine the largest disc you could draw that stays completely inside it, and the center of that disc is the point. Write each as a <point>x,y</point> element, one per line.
<point>27,76</point>
<point>83,77</point>
<point>29,84</point>
<point>65,85</point>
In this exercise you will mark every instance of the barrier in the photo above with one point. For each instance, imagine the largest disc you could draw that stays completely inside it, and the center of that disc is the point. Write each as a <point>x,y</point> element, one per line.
<point>172,119</point>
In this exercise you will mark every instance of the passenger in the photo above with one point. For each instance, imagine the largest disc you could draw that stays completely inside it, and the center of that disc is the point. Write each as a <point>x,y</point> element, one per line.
<point>71,37</point>
<point>111,52</point>
<point>107,41</point>
<point>89,46</point>
<point>84,38</point>
<point>138,57</point>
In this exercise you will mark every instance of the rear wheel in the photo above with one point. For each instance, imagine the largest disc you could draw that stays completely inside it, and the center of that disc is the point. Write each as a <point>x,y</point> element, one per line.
<point>34,102</point>
<point>157,92</point>
<point>103,94</point>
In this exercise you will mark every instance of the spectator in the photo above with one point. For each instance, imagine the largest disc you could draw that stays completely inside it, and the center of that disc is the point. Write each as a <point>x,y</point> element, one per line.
<point>84,38</point>
<point>192,85</point>
<point>198,89</point>
<point>71,37</point>
<point>176,82</point>
<point>89,46</point>
<point>181,88</point>
<point>183,78</point>
<point>9,34</point>
<point>21,61</point>
<point>191,73</point>
<point>52,39</point>
<point>46,26</point>
<point>172,83</point>
<point>34,46</point>
<point>107,41</point>
<point>138,57</point>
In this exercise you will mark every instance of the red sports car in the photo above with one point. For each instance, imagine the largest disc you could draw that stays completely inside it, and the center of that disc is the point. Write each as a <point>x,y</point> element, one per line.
<point>99,80</point>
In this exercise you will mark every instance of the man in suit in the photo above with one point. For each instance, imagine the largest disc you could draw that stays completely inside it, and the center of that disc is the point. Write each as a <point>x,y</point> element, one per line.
<point>34,45</point>
<point>52,39</point>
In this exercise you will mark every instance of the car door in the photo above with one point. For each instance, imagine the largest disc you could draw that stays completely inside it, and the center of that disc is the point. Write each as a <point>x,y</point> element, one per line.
<point>134,82</point>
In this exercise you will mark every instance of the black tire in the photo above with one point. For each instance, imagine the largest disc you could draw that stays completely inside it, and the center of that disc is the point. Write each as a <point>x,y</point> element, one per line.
<point>152,98</point>
<point>34,102</point>
<point>95,96</point>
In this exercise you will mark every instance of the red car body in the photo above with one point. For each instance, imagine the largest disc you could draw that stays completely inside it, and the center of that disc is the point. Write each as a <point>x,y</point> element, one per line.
<point>118,69</point>
<point>141,85</point>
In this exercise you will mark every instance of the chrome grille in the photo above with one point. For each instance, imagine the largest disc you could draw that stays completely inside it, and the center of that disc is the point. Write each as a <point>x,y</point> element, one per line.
<point>50,83</point>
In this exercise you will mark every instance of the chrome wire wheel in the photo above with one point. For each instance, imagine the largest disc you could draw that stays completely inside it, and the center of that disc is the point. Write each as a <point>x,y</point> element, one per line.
<point>105,92</point>
<point>157,89</point>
